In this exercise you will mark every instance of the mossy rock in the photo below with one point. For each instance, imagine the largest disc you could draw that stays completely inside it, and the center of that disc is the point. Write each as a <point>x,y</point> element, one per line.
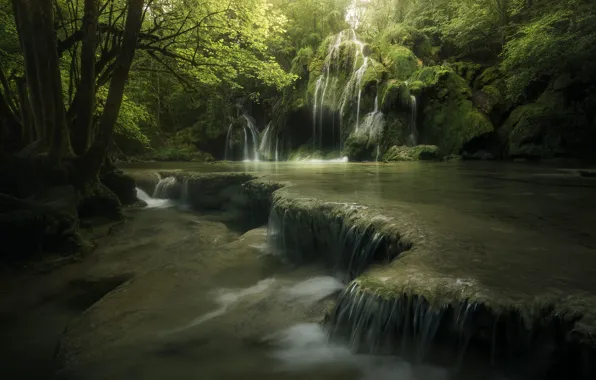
<point>450,119</point>
<point>396,94</point>
<point>550,127</point>
<point>358,148</point>
<point>467,70</point>
<point>487,98</point>
<point>410,37</point>
<point>305,152</point>
<point>491,76</point>
<point>401,63</point>
<point>412,153</point>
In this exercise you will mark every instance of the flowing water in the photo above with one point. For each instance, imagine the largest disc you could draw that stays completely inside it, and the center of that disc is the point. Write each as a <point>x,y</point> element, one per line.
<point>413,137</point>
<point>250,146</point>
<point>210,303</point>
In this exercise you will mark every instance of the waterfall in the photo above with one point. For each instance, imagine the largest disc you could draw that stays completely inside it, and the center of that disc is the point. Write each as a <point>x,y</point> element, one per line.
<point>228,142</point>
<point>245,156</point>
<point>266,148</point>
<point>277,149</point>
<point>250,124</point>
<point>372,127</point>
<point>166,188</point>
<point>413,138</point>
<point>152,202</point>
<point>328,83</point>
<point>248,127</point>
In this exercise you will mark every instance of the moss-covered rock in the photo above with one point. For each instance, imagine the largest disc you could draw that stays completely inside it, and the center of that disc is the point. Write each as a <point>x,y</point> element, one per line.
<point>305,152</point>
<point>412,153</point>
<point>410,37</point>
<point>467,70</point>
<point>401,63</point>
<point>450,119</point>
<point>395,94</point>
<point>550,127</point>
<point>358,148</point>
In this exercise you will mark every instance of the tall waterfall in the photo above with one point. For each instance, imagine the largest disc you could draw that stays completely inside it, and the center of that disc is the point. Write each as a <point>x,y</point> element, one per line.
<point>248,127</point>
<point>413,137</point>
<point>327,85</point>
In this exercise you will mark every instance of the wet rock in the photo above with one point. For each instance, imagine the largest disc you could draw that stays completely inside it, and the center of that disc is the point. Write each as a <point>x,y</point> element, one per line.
<point>46,222</point>
<point>414,153</point>
<point>122,185</point>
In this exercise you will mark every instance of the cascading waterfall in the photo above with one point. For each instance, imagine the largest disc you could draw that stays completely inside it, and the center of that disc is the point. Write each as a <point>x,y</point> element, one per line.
<point>325,84</point>
<point>372,128</point>
<point>248,127</point>
<point>413,137</point>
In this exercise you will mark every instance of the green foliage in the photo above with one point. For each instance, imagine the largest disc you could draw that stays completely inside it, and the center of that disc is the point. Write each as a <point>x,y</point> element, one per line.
<point>401,63</point>
<point>561,39</point>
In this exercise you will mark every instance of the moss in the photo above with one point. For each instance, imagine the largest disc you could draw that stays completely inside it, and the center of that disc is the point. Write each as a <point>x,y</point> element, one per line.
<point>487,98</point>
<point>401,63</point>
<point>491,76</point>
<point>395,94</point>
<point>305,152</point>
<point>450,119</point>
<point>410,37</point>
<point>467,70</point>
<point>358,148</point>
<point>414,153</point>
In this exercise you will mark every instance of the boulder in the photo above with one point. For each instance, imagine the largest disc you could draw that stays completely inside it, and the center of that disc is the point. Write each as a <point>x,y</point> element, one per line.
<point>413,153</point>
<point>450,119</point>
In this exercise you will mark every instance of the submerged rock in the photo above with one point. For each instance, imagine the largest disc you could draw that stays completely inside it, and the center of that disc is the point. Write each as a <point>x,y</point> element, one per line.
<point>412,153</point>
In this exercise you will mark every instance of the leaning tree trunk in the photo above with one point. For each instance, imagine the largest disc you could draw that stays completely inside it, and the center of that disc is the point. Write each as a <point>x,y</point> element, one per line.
<point>96,154</point>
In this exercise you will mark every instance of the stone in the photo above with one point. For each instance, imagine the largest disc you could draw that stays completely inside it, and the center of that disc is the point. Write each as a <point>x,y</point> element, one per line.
<point>412,153</point>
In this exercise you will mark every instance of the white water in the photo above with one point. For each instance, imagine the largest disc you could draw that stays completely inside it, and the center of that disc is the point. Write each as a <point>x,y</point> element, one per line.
<point>324,86</point>
<point>163,187</point>
<point>248,127</point>
<point>225,298</point>
<point>314,289</point>
<point>266,147</point>
<point>306,346</point>
<point>152,202</point>
<point>413,138</point>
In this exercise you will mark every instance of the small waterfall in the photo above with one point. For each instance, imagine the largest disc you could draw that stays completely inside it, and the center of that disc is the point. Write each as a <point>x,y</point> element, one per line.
<point>248,127</point>
<point>250,124</point>
<point>228,142</point>
<point>167,188</point>
<point>372,127</point>
<point>359,75</point>
<point>267,148</point>
<point>277,149</point>
<point>413,138</point>
<point>245,156</point>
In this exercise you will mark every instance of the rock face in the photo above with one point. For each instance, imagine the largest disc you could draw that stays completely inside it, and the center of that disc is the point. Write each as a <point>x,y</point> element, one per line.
<point>550,127</point>
<point>449,118</point>
<point>414,153</point>
<point>45,223</point>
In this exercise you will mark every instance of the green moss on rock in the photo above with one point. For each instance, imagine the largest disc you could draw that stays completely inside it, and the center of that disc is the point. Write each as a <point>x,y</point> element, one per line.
<point>547,128</point>
<point>413,153</point>
<point>450,119</point>
<point>396,93</point>
<point>401,63</point>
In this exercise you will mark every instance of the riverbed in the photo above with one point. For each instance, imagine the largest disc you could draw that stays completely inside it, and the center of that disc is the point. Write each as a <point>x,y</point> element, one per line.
<point>184,293</point>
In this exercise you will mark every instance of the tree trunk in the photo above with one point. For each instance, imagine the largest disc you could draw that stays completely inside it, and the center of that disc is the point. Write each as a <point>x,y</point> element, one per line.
<point>95,156</point>
<point>35,25</point>
<point>85,98</point>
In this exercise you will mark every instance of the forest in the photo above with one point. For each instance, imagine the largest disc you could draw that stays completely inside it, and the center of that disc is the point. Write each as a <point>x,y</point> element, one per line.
<point>86,84</point>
